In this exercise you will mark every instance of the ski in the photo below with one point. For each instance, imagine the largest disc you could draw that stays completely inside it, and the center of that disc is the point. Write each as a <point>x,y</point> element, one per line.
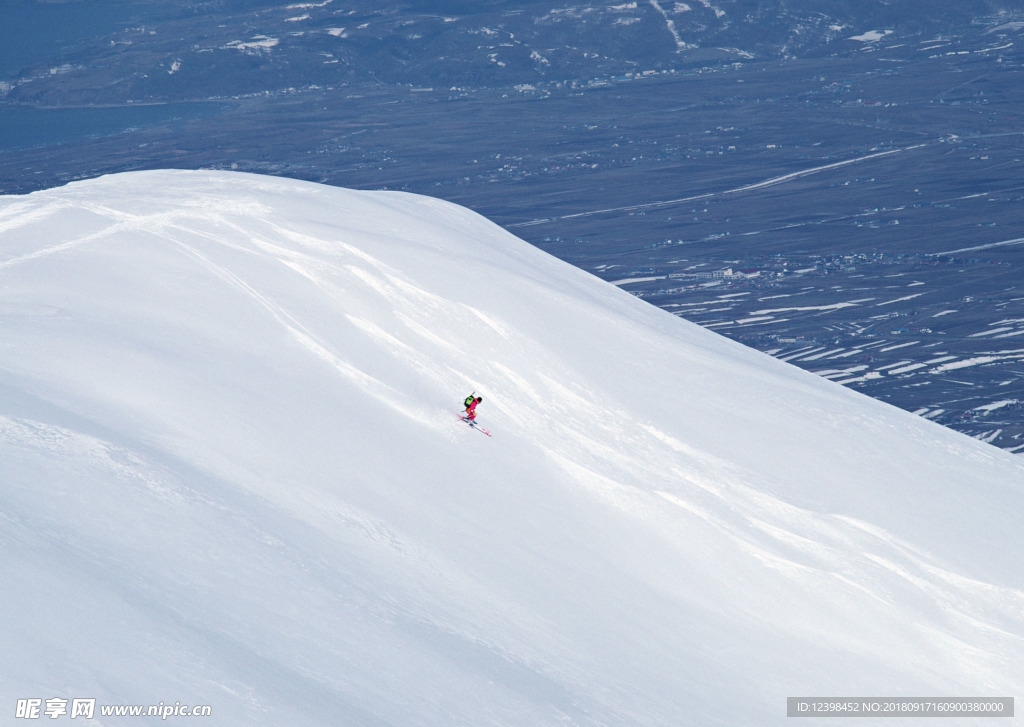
<point>474,425</point>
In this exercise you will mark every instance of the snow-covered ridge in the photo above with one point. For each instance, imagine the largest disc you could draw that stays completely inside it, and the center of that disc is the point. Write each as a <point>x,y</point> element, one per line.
<point>232,476</point>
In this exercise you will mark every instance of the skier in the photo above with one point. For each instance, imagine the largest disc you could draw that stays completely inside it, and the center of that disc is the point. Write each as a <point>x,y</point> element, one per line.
<point>471,401</point>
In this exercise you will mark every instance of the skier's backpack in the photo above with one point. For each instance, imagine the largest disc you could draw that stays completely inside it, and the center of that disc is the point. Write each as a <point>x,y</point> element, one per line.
<point>469,400</point>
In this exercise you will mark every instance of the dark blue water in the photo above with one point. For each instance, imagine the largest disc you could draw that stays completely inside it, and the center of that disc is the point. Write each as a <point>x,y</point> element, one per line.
<point>27,128</point>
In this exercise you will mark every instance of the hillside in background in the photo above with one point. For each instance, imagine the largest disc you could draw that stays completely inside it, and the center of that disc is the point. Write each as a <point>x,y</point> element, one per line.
<point>75,53</point>
<point>233,476</point>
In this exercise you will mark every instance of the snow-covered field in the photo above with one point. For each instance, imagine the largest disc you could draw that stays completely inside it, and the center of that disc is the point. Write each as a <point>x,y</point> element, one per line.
<point>231,475</point>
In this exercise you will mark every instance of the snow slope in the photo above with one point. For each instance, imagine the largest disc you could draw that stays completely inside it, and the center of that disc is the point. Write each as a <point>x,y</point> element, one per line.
<point>231,475</point>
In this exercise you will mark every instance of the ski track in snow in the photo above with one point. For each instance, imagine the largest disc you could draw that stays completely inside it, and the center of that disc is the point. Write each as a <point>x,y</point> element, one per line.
<point>165,225</point>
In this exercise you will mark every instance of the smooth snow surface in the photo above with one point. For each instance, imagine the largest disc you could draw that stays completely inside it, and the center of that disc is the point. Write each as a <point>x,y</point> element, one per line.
<point>232,475</point>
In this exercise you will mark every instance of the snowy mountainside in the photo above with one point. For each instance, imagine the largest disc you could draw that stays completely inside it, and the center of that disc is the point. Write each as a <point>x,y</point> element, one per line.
<point>233,476</point>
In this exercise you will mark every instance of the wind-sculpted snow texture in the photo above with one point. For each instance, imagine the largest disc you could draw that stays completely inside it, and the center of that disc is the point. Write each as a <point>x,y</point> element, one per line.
<point>231,476</point>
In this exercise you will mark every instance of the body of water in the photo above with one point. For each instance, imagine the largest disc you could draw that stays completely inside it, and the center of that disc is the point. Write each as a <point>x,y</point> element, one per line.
<point>23,127</point>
